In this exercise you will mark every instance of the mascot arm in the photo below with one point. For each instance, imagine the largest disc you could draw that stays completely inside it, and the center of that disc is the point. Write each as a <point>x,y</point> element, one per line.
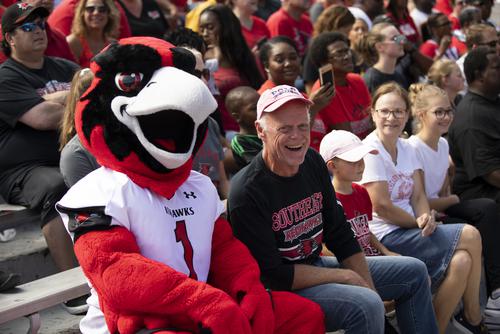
<point>129,283</point>
<point>234,270</point>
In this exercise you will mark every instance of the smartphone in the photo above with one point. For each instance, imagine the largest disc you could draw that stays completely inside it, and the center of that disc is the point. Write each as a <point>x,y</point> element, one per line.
<point>326,75</point>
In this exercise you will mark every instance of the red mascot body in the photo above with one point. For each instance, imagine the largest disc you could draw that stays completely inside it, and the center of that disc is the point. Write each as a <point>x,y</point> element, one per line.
<point>147,229</point>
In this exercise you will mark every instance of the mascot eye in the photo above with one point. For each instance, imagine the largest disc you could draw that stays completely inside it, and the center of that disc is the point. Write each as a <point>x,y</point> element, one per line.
<point>128,82</point>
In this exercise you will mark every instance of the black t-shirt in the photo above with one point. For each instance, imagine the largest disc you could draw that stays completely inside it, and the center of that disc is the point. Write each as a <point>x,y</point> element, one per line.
<point>21,89</point>
<point>474,139</point>
<point>284,220</point>
<point>374,78</point>
<point>151,23</point>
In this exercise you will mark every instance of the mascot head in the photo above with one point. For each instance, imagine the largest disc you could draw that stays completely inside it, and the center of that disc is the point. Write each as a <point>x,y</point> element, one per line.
<point>144,114</point>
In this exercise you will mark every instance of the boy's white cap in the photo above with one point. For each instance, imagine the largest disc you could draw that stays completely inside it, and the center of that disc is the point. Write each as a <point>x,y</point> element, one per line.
<point>344,145</point>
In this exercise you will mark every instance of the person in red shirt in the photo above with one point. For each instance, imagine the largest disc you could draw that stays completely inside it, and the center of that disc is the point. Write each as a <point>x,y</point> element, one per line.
<point>291,21</point>
<point>348,110</point>
<point>62,18</point>
<point>254,29</point>
<point>56,42</point>
<point>439,46</point>
<point>468,16</point>
<point>397,11</point>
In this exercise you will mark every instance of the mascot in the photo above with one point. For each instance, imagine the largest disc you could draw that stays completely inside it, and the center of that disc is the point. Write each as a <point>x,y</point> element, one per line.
<point>146,228</point>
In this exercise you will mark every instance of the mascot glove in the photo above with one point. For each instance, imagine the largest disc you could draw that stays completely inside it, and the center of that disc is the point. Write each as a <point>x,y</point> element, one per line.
<point>258,307</point>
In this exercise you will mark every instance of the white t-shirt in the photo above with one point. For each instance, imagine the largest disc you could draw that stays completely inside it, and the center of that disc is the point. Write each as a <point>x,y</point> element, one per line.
<point>434,164</point>
<point>399,178</point>
<point>154,220</point>
<point>419,18</point>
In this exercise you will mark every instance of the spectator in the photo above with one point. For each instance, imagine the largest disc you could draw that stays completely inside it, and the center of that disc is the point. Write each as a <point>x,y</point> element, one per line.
<point>433,114</point>
<point>421,12</point>
<point>439,46</point>
<point>335,18</point>
<point>283,206</point>
<point>485,7</point>
<point>368,10</point>
<point>76,161</point>
<point>348,110</point>
<point>458,6</point>
<point>33,90</point>
<point>446,75</point>
<point>474,134</point>
<point>477,35</point>
<point>266,8</point>
<point>254,28</point>
<point>387,44</point>
<point>282,64</point>
<point>145,17</point>
<point>343,153</point>
<point>95,24</point>
<point>221,30</point>
<point>61,18</point>
<point>356,36</point>
<point>291,21</point>
<point>319,6</point>
<point>467,17</point>
<point>241,103</point>
<point>56,42</point>
<point>397,10</point>
<point>404,223</point>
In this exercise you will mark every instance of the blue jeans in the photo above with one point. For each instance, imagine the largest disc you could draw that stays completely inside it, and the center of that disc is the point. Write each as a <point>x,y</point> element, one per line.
<point>360,310</point>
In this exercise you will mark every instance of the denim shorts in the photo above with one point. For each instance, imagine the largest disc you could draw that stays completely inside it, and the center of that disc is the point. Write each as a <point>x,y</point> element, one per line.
<point>435,250</point>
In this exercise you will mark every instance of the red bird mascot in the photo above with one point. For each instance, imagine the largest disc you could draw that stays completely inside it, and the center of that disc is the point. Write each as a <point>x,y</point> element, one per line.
<point>147,229</point>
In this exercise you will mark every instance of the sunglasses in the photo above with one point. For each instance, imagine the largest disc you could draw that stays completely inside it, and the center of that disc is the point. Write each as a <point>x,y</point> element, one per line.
<point>205,73</point>
<point>399,39</point>
<point>100,9</point>
<point>31,26</point>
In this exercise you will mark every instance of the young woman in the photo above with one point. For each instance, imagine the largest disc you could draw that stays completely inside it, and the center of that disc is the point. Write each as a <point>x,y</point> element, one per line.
<point>447,75</point>
<point>281,61</point>
<point>221,30</point>
<point>439,45</point>
<point>254,28</point>
<point>433,114</point>
<point>95,24</point>
<point>404,222</point>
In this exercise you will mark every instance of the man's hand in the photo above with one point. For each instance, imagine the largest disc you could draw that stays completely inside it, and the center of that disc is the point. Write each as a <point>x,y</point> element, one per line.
<point>427,223</point>
<point>350,277</point>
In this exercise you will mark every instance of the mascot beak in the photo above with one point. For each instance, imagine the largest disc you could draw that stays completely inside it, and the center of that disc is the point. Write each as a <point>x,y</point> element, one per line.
<point>171,94</point>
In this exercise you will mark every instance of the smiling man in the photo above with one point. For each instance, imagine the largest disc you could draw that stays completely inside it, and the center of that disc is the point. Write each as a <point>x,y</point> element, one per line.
<point>33,90</point>
<point>283,207</point>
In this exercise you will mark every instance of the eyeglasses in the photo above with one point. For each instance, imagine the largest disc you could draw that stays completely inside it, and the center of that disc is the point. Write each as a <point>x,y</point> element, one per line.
<point>441,113</point>
<point>31,26</point>
<point>100,9</point>
<point>341,54</point>
<point>205,73</point>
<point>492,44</point>
<point>398,39</point>
<point>396,113</point>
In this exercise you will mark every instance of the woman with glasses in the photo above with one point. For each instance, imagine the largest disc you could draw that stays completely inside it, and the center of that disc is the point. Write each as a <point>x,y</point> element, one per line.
<point>95,24</point>
<point>439,45</point>
<point>385,44</point>
<point>433,115</point>
<point>348,110</point>
<point>404,222</point>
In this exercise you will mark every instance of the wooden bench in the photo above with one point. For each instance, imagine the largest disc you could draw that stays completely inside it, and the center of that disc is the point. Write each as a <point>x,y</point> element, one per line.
<point>29,299</point>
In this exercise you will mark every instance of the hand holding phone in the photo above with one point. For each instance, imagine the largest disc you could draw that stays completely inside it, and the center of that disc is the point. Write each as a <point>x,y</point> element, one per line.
<point>326,75</point>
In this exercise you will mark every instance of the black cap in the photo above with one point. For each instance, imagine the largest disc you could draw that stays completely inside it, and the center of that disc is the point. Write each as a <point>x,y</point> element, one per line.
<point>474,2</point>
<point>16,14</point>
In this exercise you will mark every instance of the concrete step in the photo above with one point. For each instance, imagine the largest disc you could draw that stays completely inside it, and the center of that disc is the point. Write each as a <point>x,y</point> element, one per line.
<point>27,254</point>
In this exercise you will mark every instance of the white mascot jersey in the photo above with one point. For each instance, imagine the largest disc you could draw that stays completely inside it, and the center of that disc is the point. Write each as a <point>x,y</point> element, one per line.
<point>177,232</point>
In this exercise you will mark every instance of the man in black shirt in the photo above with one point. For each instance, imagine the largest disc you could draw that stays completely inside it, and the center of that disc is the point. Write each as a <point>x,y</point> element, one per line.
<point>474,135</point>
<point>283,207</point>
<point>33,90</point>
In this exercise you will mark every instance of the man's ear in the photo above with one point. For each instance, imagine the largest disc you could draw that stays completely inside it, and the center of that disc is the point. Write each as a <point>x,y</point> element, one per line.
<point>8,38</point>
<point>260,130</point>
<point>331,165</point>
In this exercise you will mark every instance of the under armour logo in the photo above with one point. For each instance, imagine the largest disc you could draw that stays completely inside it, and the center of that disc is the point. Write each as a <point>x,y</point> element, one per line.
<point>190,194</point>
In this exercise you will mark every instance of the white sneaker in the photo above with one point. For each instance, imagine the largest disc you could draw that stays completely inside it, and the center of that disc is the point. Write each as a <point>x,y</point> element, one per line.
<point>492,314</point>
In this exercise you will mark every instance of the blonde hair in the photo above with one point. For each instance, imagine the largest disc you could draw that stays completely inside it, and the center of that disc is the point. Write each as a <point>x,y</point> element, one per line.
<point>440,70</point>
<point>333,18</point>
<point>80,83</point>
<point>366,45</point>
<point>79,28</point>
<point>420,95</point>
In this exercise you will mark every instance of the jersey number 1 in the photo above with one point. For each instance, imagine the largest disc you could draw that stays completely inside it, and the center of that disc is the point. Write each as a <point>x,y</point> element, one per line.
<point>181,236</point>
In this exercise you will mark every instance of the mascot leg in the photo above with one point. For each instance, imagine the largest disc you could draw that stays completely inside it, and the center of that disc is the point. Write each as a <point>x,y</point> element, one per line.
<point>296,314</point>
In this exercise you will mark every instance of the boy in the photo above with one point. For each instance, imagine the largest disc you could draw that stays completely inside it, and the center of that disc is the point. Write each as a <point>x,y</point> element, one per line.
<point>343,153</point>
<point>241,103</point>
